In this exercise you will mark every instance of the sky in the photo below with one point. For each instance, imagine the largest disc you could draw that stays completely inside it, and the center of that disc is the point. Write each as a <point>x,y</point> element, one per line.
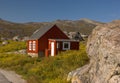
<point>50,10</point>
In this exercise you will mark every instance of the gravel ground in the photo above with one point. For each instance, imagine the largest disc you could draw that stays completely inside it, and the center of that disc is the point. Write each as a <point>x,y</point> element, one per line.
<point>3,79</point>
<point>10,77</point>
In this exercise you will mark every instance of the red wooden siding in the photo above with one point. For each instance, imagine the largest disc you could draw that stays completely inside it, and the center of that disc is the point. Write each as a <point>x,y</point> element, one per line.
<point>74,46</point>
<point>53,33</point>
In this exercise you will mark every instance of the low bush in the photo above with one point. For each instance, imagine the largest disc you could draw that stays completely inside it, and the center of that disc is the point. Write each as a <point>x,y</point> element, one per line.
<point>13,46</point>
<point>45,69</point>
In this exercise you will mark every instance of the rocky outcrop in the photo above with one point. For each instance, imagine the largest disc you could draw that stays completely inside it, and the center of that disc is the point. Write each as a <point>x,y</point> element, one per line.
<point>103,48</point>
<point>22,51</point>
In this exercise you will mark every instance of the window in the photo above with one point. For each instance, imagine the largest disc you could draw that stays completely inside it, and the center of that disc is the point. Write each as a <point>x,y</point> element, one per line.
<point>66,45</point>
<point>58,45</point>
<point>30,45</point>
<point>34,45</point>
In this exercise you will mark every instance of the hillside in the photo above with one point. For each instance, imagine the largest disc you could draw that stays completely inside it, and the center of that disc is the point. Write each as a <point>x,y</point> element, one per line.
<point>10,29</point>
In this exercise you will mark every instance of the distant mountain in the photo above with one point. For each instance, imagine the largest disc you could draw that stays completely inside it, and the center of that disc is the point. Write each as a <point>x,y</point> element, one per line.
<point>10,29</point>
<point>91,21</point>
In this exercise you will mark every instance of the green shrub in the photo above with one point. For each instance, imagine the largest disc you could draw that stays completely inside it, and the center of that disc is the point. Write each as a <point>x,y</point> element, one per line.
<point>45,70</point>
<point>13,46</point>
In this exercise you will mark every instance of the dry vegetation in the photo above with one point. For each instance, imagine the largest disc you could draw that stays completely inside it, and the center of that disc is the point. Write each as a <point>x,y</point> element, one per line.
<point>42,70</point>
<point>9,29</point>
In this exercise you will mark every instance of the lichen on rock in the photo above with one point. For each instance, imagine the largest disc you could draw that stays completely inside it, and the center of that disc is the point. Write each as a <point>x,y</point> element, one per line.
<point>103,48</point>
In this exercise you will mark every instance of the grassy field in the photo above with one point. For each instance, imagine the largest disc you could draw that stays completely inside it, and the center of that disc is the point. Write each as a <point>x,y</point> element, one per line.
<point>42,70</point>
<point>12,46</point>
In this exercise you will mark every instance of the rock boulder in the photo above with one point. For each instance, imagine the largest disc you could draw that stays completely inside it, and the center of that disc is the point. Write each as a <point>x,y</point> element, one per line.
<point>103,48</point>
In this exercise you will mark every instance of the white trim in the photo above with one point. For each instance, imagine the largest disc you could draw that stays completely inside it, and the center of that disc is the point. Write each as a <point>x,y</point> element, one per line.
<point>30,45</point>
<point>52,48</point>
<point>58,45</point>
<point>34,45</point>
<point>64,45</point>
<point>65,40</point>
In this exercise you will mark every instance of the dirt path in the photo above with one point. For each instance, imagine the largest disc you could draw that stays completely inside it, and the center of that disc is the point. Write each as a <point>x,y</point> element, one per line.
<point>10,77</point>
<point>3,79</point>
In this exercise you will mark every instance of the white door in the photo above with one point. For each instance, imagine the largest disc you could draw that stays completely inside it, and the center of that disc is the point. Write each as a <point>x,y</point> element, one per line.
<point>52,48</point>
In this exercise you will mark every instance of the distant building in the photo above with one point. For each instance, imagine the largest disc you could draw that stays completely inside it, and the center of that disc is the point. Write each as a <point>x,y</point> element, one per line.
<point>76,36</point>
<point>50,40</point>
<point>25,38</point>
<point>84,36</point>
<point>16,38</point>
<point>3,39</point>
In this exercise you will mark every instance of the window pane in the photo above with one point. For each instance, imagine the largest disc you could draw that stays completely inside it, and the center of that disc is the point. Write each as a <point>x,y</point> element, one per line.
<point>30,45</point>
<point>34,45</point>
<point>66,45</point>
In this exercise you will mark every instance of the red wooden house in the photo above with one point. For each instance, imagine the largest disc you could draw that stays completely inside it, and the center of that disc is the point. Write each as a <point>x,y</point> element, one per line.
<point>49,40</point>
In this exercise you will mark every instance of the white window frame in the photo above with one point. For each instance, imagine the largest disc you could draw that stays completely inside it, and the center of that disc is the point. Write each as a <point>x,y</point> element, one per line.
<point>30,45</point>
<point>34,45</point>
<point>58,45</point>
<point>64,45</point>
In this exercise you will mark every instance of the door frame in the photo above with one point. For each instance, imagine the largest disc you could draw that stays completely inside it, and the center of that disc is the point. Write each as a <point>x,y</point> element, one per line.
<point>52,48</point>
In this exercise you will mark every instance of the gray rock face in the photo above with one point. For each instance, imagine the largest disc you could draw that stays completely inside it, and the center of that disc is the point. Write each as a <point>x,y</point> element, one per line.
<point>103,48</point>
<point>23,51</point>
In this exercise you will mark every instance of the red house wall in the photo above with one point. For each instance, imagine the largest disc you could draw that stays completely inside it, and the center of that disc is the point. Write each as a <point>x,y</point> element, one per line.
<point>74,46</point>
<point>36,49</point>
<point>53,33</point>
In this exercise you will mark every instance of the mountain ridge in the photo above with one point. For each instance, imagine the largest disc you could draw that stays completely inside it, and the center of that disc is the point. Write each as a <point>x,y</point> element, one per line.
<point>26,29</point>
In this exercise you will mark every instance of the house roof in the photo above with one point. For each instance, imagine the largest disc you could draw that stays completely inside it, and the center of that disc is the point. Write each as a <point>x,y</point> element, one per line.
<point>65,40</point>
<point>40,32</point>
